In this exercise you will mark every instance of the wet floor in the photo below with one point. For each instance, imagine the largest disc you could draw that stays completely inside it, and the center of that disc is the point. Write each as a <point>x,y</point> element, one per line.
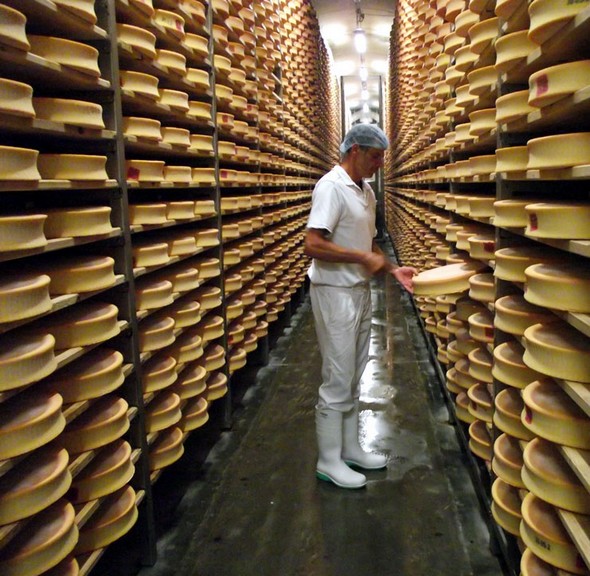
<point>255,507</point>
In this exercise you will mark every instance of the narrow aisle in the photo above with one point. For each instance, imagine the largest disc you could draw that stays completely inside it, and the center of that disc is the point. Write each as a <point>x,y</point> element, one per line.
<point>268,515</point>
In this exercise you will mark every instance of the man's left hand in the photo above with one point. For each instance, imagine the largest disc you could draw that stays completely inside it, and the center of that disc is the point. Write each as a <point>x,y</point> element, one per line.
<point>404,275</point>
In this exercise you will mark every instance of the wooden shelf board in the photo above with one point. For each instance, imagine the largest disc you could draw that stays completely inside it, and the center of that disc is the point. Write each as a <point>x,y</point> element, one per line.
<point>579,461</point>
<point>34,126</point>
<point>578,392</point>
<point>41,185</point>
<point>578,527</point>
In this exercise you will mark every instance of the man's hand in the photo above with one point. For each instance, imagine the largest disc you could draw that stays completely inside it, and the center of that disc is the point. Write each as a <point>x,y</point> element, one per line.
<point>374,262</point>
<point>404,275</point>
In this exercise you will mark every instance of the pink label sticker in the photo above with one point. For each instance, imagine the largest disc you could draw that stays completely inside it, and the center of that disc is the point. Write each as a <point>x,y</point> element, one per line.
<point>489,247</point>
<point>533,221</point>
<point>133,173</point>
<point>489,332</point>
<point>542,84</point>
<point>528,415</point>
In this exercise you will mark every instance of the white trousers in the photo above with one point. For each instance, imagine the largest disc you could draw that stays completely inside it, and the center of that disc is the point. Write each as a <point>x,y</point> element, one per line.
<point>343,327</point>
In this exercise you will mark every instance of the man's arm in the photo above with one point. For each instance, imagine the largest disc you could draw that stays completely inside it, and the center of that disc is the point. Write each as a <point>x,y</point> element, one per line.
<point>318,246</point>
<point>403,274</point>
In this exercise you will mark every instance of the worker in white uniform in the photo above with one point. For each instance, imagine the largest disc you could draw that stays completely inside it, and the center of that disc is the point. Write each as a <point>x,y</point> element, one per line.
<point>340,238</point>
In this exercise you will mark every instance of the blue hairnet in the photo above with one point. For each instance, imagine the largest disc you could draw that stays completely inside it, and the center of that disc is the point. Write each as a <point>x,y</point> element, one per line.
<point>369,135</point>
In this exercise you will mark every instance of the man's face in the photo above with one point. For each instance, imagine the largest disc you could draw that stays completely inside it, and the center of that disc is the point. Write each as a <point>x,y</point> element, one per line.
<point>369,160</point>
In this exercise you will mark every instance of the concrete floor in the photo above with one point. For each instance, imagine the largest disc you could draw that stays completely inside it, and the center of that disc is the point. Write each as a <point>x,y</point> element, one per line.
<point>255,507</point>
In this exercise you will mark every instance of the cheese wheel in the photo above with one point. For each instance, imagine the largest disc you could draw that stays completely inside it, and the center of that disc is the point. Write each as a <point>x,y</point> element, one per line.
<point>172,22</point>
<point>34,484</point>
<point>82,167</point>
<point>12,28</point>
<point>204,176</point>
<point>551,84</point>
<point>18,164</point>
<point>29,422</point>
<point>513,314</point>
<point>512,106</point>
<point>145,170</point>
<point>559,151</point>
<point>562,286</point>
<point>511,213</point>
<point>509,366</point>
<point>176,99</point>
<point>183,279</point>
<point>22,231</point>
<point>512,262</point>
<point>551,414</point>
<point>49,538</point>
<point>197,43</point>
<point>67,567</point>
<point>74,112</point>
<point>191,382</point>
<point>448,279</point>
<point>482,246</point>
<point>199,110</point>
<point>115,516</point>
<point>178,175</point>
<point>78,222</point>
<point>482,80</point>
<point>158,372</point>
<point>213,358</point>
<point>16,98</point>
<point>156,333</point>
<point>154,254</point>
<point>151,294</point>
<point>548,220</point>
<point>480,365</point>
<point>82,274</point>
<point>547,17</point>
<point>461,411</point>
<point>559,350</point>
<point>110,470</point>
<point>166,449</point>
<point>505,506</point>
<point>102,423</point>
<point>512,159</point>
<point>25,359</point>
<point>548,476</point>
<point>139,38</point>
<point>237,359</point>
<point>97,373</point>
<point>173,61</point>
<point>140,83</point>
<point>482,287</point>
<point>147,214</point>
<point>81,57</point>
<point>208,268</point>
<point>543,532</point>
<point>511,49</point>
<point>81,325</point>
<point>507,415</point>
<point>24,295</point>
<point>181,244</point>
<point>531,565</point>
<point>481,326</point>
<point>480,402</point>
<point>187,347</point>
<point>162,412</point>
<point>81,8</point>
<point>480,441</point>
<point>176,136</point>
<point>147,128</point>
<point>208,297</point>
<point>508,460</point>
<point>194,414</point>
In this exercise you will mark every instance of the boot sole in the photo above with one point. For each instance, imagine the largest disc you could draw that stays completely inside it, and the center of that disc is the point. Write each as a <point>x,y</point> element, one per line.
<point>353,464</point>
<point>326,478</point>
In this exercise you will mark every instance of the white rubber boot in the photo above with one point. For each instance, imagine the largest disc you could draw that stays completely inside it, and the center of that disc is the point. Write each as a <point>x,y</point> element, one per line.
<point>330,466</point>
<point>352,452</point>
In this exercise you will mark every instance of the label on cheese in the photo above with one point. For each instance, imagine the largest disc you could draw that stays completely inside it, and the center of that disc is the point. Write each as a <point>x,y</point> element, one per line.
<point>542,84</point>
<point>533,221</point>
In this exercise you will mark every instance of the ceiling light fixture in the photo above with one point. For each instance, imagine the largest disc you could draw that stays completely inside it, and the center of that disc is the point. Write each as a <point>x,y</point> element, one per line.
<point>359,36</point>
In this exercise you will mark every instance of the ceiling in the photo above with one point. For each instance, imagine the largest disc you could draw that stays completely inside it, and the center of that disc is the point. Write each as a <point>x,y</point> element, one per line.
<point>338,19</point>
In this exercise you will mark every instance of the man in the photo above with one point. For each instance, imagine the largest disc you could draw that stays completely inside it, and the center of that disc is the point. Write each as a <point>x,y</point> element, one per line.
<point>340,239</point>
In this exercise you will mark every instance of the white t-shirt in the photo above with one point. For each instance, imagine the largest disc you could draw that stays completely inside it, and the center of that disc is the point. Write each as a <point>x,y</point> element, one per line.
<point>348,214</point>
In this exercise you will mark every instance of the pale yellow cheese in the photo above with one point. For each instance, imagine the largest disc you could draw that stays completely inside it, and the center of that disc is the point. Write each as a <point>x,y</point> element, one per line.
<point>547,17</point>
<point>156,333</point>
<point>83,8</point>
<point>13,28</point>
<point>158,372</point>
<point>508,460</point>
<point>506,506</point>
<point>559,151</point>
<point>172,22</point>
<point>563,220</point>
<point>140,83</point>
<point>23,295</point>
<point>139,38</point>
<point>16,98</point>
<point>148,128</point>
<point>163,411</point>
<point>509,366</point>
<point>512,262</point>
<point>176,99</point>
<point>513,314</point>
<point>18,164</point>
<point>559,350</point>
<point>76,55</point>
<point>110,470</point>
<point>49,538</point>
<point>116,515</point>
<point>81,274</point>
<point>191,382</point>
<point>146,214</point>
<point>78,222</point>
<point>145,170</point>
<point>507,416</point>
<point>194,414</point>
<point>98,372</point>
<point>511,49</point>
<point>29,422</point>
<point>173,61</point>
<point>152,294</point>
<point>83,167</point>
<point>187,347</point>
<point>512,106</point>
<point>480,442</point>
<point>166,449</point>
